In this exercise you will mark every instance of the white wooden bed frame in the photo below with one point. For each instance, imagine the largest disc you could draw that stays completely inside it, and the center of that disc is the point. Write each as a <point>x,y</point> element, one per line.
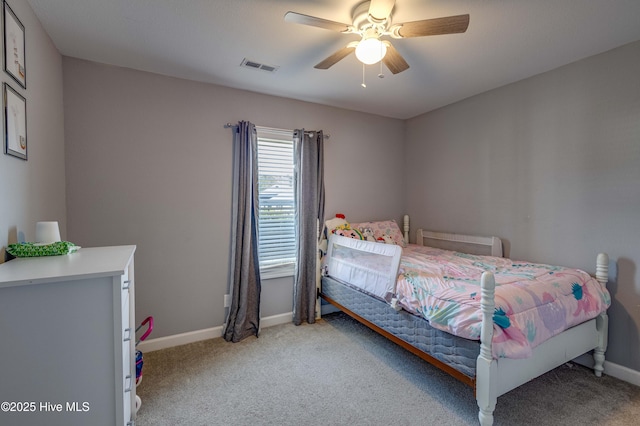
<point>495,377</point>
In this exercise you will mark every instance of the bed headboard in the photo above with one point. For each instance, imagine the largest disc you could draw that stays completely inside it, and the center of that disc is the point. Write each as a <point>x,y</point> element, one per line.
<point>471,244</point>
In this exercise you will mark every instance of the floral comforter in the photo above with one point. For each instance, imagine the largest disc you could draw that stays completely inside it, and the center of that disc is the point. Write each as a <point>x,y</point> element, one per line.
<point>533,301</point>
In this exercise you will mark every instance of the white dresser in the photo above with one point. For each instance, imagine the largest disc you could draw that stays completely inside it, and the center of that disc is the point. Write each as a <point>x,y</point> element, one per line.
<point>67,339</point>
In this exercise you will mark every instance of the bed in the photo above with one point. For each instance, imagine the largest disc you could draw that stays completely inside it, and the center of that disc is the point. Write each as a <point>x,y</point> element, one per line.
<point>363,279</point>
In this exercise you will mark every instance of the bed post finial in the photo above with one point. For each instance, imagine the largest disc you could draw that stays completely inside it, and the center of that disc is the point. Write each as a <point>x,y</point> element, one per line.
<point>406,228</point>
<point>486,366</point>
<point>602,268</point>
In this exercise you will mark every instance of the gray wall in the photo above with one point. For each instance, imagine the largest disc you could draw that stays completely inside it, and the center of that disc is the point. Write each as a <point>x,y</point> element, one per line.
<point>149,163</point>
<point>34,190</point>
<point>550,164</point>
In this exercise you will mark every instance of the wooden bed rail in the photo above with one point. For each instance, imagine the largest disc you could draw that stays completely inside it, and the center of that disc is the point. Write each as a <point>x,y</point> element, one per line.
<point>469,381</point>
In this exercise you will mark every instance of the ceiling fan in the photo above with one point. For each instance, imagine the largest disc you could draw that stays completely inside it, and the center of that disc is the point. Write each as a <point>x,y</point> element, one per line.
<point>372,21</point>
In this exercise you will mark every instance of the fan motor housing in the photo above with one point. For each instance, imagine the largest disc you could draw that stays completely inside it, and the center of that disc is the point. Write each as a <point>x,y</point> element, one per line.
<point>362,19</point>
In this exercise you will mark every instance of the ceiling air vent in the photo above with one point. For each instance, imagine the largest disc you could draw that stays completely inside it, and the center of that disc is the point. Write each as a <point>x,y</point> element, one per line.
<point>247,63</point>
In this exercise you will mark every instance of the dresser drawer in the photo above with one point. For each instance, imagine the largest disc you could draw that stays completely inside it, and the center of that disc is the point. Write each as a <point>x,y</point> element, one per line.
<point>125,310</point>
<point>126,360</point>
<point>129,386</point>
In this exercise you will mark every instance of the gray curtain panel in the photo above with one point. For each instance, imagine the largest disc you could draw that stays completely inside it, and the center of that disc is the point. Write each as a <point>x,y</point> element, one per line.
<point>244,276</point>
<point>309,193</point>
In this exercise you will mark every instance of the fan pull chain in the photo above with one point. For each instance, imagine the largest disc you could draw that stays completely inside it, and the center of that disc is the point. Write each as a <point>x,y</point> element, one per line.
<point>364,85</point>
<point>382,53</point>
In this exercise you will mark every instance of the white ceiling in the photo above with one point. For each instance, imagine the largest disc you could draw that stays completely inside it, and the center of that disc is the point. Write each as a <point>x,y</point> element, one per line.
<point>206,40</point>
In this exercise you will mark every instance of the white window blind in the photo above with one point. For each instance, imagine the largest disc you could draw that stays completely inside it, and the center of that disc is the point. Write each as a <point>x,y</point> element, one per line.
<point>276,221</point>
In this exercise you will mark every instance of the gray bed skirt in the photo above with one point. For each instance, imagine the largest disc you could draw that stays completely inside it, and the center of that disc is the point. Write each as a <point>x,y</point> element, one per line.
<point>455,352</point>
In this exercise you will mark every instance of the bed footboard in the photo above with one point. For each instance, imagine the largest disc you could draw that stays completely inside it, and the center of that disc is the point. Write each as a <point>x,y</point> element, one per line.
<point>497,377</point>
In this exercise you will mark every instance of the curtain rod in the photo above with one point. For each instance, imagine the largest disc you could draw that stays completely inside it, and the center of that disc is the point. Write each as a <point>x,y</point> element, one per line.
<point>272,129</point>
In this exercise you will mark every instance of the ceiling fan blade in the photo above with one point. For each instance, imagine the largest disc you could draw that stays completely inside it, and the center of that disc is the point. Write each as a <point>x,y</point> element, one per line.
<point>336,57</point>
<point>438,26</point>
<point>381,9</point>
<point>298,18</point>
<point>393,60</point>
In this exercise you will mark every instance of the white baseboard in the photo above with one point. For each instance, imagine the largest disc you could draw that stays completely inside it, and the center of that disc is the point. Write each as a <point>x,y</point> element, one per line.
<point>179,339</point>
<point>208,333</point>
<point>622,373</point>
<point>276,320</point>
<point>328,309</point>
<point>614,370</point>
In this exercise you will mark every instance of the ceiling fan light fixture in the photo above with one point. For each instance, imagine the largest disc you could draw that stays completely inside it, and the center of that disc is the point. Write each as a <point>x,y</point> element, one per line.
<point>371,50</point>
<point>372,20</point>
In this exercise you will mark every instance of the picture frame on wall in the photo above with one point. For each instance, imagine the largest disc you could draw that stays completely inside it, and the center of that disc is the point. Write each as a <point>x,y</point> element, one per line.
<point>14,47</point>
<point>15,123</point>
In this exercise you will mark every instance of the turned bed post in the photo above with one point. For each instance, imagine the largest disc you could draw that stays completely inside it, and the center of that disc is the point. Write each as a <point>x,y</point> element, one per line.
<point>486,366</point>
<point>405,225</point>
<point>602,320</point>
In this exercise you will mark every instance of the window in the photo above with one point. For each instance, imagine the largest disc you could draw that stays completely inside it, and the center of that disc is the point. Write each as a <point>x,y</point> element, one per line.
<point>276,222</point>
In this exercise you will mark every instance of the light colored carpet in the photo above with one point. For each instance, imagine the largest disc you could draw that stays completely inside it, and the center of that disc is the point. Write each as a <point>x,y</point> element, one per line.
<point>338,372</point>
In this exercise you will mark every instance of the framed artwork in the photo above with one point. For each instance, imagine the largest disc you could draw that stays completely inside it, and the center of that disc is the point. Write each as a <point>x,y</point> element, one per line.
<point>14,47</point>
<point>15,123</point>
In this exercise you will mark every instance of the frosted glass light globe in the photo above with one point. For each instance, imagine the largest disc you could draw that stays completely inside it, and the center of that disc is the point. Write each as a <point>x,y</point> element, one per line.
<point>370,51</point>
